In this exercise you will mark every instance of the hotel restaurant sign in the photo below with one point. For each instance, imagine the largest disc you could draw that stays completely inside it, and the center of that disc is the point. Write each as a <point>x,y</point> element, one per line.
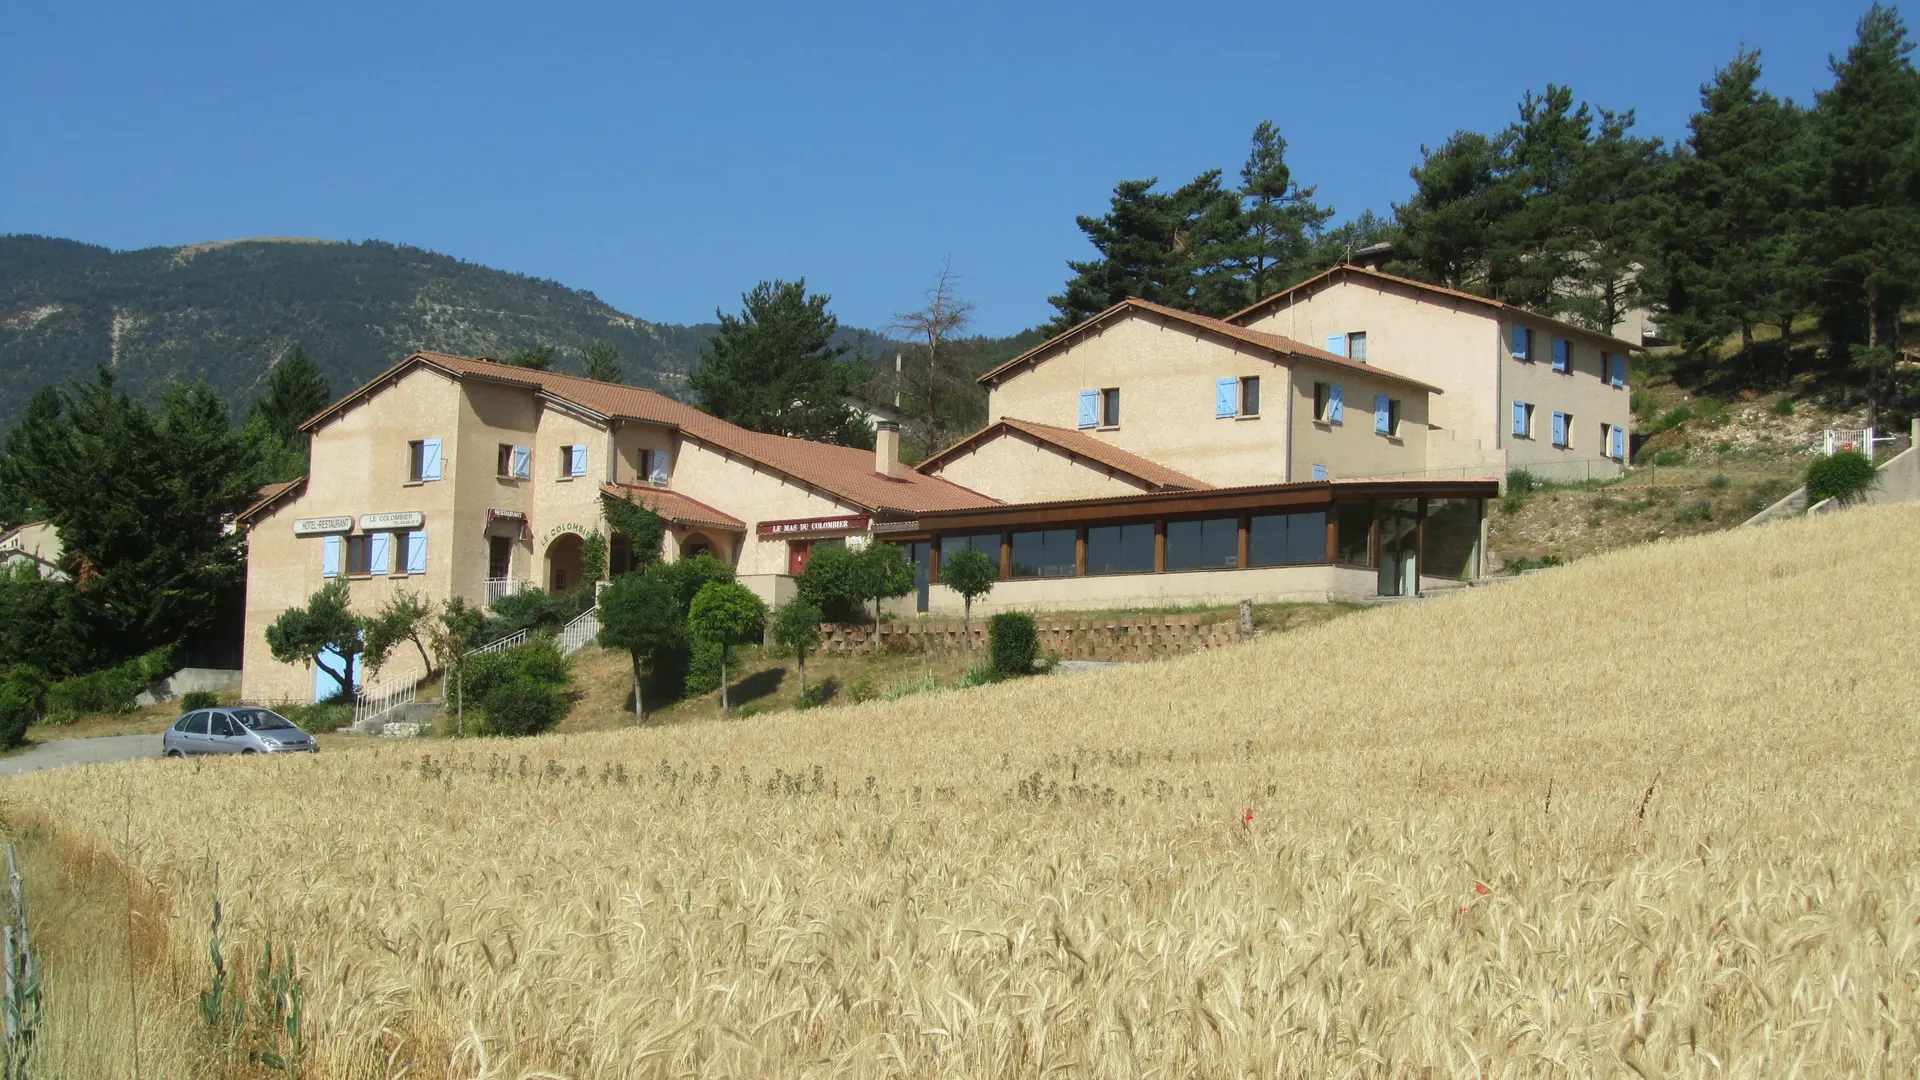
<point>321,526</point>
<point>806,527</point>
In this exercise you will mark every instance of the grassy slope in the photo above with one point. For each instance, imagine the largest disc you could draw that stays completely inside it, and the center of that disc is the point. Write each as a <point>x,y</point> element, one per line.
<point>1652,811</point>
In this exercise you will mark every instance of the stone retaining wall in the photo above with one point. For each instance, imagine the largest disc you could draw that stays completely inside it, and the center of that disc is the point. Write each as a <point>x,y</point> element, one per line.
<point>1144,637</point>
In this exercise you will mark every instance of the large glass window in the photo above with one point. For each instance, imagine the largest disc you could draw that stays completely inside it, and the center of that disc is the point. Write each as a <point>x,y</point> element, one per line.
<point>1354,522</point>
<point>1043,553</point>
<point>1287,539</point>
<point>1453,538</point>
<point>1211,544</point>
<point>987,544</point>
<point>1120,549</point>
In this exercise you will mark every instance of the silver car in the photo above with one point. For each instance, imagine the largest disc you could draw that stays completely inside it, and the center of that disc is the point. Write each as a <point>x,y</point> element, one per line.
<point>242,729</point>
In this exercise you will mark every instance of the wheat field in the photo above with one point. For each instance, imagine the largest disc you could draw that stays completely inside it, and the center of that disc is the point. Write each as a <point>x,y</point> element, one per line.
<point>1650,814</point>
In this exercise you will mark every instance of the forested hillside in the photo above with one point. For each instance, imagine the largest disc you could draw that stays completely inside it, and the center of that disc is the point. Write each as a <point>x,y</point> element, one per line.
<point>226,312</point>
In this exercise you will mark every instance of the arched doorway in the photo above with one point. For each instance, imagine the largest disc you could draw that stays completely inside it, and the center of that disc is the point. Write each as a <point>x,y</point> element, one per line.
<point>699,542</point>
<point>565,565</point>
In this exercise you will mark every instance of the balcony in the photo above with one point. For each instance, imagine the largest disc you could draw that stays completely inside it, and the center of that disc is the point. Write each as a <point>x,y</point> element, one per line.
<point>507,586</point>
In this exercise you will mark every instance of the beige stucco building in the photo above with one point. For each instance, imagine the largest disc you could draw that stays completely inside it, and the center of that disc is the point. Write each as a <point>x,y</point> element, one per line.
<point>35,544</point>
<point>1520,390</point>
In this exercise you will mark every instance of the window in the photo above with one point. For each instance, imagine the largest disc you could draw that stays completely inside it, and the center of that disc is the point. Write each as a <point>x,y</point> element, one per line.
<point>1287,539</point>
<point>1523,420</point>
<point>1328,407</point>
<point>499,556</point>
<point>1043,553</point>
<point>1453,538</point>
<point>653,466</point>
<point>1522,342</point>
<point>515,462</point>
<point>1386,416</point>
<point>1563,356</point>
<point>1250,396</point>
<point>504,461</point>
<point>1110,407</point>
<point>194,723</point>
<point>1210,544</point>
<point>987,544</point>
<point>423,460</point>
<point>1562,429</point>
<point>1357,347</point>
<point>222,725</point>
<point>357,555</point>
<point>1353,530</point>
<point>1120,549</point>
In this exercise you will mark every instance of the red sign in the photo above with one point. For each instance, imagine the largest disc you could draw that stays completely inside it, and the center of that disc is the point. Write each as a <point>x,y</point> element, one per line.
<point>813,526</point>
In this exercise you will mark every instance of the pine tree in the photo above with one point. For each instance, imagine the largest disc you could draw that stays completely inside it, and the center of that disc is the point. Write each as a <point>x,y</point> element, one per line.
<point>1865,232</point>
<point>1614,200</point>
<point>1173,248</point>
<point>537,358</point>
<point>1723,235</point>
<point>1460,196</point>
<point>603,361</point>
<point>295,391</point>
<point>1535,247</point>
<point>1281,221</point>
<point>774,368</point>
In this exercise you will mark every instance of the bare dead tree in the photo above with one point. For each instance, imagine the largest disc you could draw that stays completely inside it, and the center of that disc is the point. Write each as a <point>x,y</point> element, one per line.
<point>934,380</point>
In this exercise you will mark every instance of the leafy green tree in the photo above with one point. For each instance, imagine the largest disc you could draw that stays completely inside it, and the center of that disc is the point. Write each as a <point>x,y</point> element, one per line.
<point>726,615</point>
<point>537,358</point>
<point>325,625</point>
<point>796,628</point>
<point>603,361</point>
<point>833,583</point>
<point>28,458</point>
<point>405,617</point>
<point>1614,192</point>
<point>643,614</point>
<point>1723,241</point>
<point>1174,248</point>
<point>458,631</point>
<point>1279,219</point>
<point>1847,476</point>
<point>295,391</point>
<point>642,528</point>
<point>41,624</point>
<point>774,368</point>
<point>1864,230</point>
<point>971,574</point>
<point>881,572</point>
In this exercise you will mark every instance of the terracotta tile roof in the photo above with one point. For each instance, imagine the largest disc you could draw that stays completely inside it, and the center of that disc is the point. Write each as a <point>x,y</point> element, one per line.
<point>1080,444</point>
<point>1260,307</point>
<point>267,496</point>
<point>674,506</point>
<point>1272,343</point>
<point>841,471</point>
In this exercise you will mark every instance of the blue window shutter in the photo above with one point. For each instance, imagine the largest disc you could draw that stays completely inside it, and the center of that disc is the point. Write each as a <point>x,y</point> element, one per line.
<point>417,551</point>
<point>1380,421</point>
<point>1519,418</point>
<point>1522,338</point>
<point>1559,429</point>
<point>1562,348</point>
<point>430,459</point>
<point>379,551</point>
<point>1089,408</point>
<point>1620,442</point>
<point>1337,344</point>
<point>1225,395</point>
<point>577,460</point>
<point>1336,407</point>
<point>1616,369</point>
<point>1319,472</point>
<point>522,462</point>
<point>330,557</point>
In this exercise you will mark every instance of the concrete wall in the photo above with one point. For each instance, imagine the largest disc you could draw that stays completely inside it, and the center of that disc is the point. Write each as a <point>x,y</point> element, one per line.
<point>1277,584</point>
<point>1450,344</point>
<point>1352,447</point>
<point>38,539</point>
<point>1015,467</point>
<point>1584,393</point>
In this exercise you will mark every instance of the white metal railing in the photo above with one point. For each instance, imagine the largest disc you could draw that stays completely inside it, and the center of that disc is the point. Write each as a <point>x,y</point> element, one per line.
<point>508,642</point>
<point>581,632</point>
<point>505,586</point>
<point>372,702</point>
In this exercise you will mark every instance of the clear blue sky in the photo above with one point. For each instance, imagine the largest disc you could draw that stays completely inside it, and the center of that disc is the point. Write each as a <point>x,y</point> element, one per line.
<point>668,156</point>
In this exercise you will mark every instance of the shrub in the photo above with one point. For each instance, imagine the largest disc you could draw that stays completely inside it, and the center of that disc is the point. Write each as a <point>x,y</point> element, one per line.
<point>816,695</point>
<point>1524,482</point>
<point>1012,642</point>
<point>1670,457</point>
<point>320,717</point>
<point>1783,407</point>
<point>832,582</point>
<point>909,687</point>
<point>1845,476</point>
<point>522,706</point>
<point>198,699</point>
<point>109,691</point>
<point>1719,482</point>
<point>538,660</point>
<point>862,688</point>
<point>17,710</point>
<point>1674,417</point>
<point>979,675</point>
<point>703,669</point>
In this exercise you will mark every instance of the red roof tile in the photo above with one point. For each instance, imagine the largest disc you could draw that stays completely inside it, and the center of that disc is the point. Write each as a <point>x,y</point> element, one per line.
<point>674,506</point>
<point>844,472</point>
<point>1272,343</point>
<point>1081,444</point>
<point>1259,307</point>
<point>267,496</point>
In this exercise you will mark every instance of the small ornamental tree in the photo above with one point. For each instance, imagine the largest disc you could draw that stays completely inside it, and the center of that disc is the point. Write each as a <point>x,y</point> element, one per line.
<point>406,617</point>
<point>884,573</point>
<point>726,615</point>
<point>641,614</point>
<point>1845,476</point>
<point>832,582</point>
<point>305,635</point>
<point>971,574</point>
<point>796,628</point>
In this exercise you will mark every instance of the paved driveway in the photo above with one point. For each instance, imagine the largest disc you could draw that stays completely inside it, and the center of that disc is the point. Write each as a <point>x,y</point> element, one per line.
<point>49,755</point>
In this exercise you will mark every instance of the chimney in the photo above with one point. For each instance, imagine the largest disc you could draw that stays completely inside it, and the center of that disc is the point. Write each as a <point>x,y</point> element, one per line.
<point>886,448</point>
